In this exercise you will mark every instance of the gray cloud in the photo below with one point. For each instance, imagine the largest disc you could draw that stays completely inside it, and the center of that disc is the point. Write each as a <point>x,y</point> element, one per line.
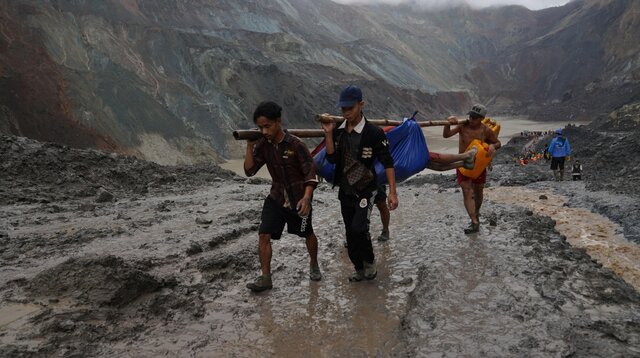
<point>531,4</point>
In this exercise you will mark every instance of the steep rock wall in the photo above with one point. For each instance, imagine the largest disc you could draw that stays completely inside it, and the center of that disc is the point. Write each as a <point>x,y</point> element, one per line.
<point>156,77</point>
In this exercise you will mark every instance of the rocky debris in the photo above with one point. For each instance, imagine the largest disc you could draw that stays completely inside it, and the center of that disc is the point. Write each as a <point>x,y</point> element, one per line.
<point>165,206</point>
<point>238,262</point>
<point>104,196</point>
<point>624,119</point>
<point>194,248</point>
<point>203,221</point>
<point>123,216</point>
<point>87,207</point>
<point>406,281</point>
<point>182,299</point>
<point>231,235</point>
<point>249,214</point>
<point>95,280</point>
<point>42,245</point>
<point>517,175</point>
<point>446,181</point>
<point>608,150</point>
<point>215,262</point>
<point>37,172</point>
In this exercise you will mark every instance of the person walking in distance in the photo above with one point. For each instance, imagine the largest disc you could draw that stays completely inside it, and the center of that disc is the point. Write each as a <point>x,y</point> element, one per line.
<point>576,170</point>
<point>293,174</point>
<point>559,149</point>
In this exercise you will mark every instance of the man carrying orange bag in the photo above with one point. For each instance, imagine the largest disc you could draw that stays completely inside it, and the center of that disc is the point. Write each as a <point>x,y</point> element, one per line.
<point>478,135</point>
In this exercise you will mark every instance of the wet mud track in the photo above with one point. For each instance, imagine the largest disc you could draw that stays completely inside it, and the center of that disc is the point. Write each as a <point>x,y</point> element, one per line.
<point>165,275</point>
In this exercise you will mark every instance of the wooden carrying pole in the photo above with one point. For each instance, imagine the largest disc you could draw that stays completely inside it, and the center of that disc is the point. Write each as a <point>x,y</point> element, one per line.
<point>253,134</point>
<point>385,122</point>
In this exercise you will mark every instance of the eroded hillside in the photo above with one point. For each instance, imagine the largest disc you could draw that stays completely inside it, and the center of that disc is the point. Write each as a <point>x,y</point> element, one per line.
<point>169,81</point>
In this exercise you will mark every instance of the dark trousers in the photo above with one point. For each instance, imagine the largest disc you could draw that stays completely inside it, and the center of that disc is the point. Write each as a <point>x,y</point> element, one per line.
<point>356,211</point>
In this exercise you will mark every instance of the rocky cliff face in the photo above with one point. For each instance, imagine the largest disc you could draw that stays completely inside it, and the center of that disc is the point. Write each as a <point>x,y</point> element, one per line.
<point>579,62</point>
<point>170,80</point>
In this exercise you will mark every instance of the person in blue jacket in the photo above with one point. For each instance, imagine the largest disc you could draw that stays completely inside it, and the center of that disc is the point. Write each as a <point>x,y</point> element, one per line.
<point>559,149</point>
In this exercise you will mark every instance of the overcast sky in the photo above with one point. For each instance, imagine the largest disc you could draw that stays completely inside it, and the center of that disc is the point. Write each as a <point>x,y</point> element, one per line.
<point>531,4</point>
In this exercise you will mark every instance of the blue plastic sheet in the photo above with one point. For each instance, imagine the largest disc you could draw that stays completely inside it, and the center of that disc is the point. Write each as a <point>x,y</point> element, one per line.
<point>408,149</point>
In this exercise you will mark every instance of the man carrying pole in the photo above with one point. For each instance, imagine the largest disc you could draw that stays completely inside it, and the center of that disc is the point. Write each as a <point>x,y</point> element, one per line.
<point>472,188</point>
<point>293,173</point>
<point>353,147</point>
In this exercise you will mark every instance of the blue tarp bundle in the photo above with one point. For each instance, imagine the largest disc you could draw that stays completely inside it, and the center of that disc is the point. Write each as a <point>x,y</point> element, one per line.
<point>408,149</point>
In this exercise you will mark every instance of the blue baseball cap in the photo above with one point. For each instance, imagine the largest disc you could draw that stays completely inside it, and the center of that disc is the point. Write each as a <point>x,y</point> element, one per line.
<point>559,131</point>
<point>349,96</point>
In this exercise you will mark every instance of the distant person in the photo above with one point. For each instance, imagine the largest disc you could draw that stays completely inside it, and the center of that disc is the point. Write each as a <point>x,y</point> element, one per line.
<point>293,176</point>
<point>353,147</point>
<point>576,170</point>
<point>472,189</point>
<point>559,149</point>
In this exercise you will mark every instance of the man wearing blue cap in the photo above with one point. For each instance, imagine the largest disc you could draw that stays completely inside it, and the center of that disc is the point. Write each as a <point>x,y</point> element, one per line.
<point>559,149</point>
<point>353,147</point>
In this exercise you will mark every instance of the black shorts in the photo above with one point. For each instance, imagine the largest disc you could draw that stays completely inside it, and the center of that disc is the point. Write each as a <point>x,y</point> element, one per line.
<point>381,195</point>
<point>557,163</point>
<point>274,217</point>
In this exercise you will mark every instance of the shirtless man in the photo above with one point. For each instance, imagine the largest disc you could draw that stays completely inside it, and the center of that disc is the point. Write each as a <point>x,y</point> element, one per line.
<point>472,189</point>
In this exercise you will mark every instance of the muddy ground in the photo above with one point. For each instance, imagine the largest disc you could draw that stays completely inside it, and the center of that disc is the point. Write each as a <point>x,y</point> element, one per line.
<point>102,255</point>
